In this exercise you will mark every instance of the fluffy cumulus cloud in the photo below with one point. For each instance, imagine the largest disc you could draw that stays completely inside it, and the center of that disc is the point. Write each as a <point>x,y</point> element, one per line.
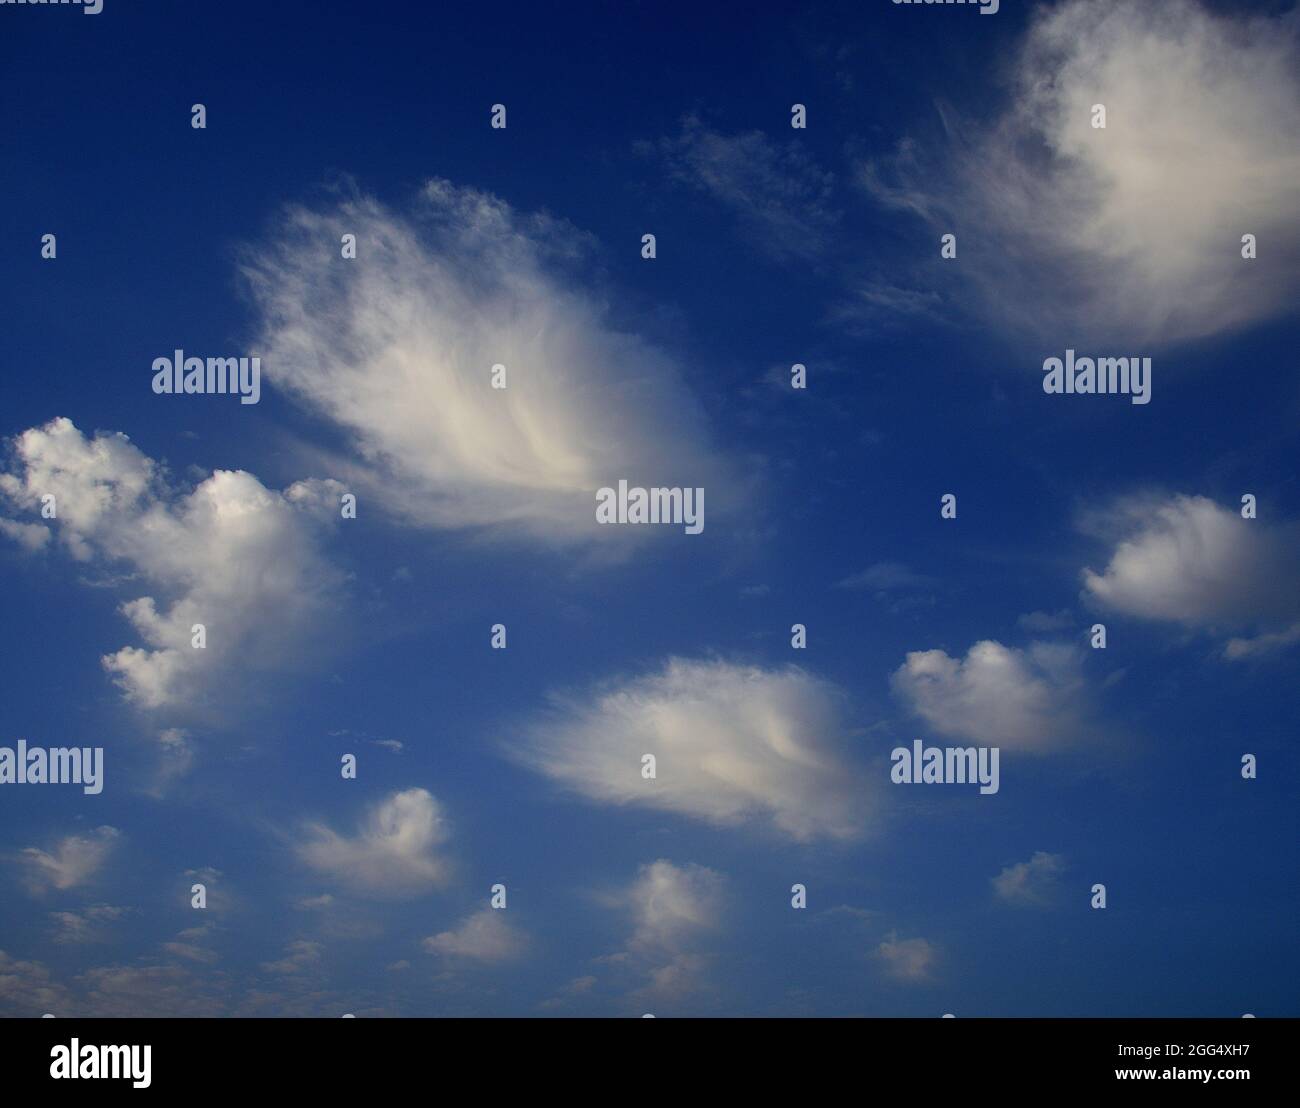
<point>1021,699</point>
<point>393,853</point>
<point>732,744</point>
<point>485,936</point>
<point>909,960</point>
<point>1189,561</point>
<point>673,909</point>
<point>1133,231</point>
<point>71,863</point>
<point>231,554</point>
<point>1031,884</point>
<point>396,347</point>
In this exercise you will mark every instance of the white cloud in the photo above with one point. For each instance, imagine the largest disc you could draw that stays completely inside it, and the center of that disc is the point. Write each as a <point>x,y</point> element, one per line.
<point>1133,231</point>
<point>907,959</point>
<point>238,558</point>
<point>884,577</point>
<point>87,925</point>
<point>673,909</point>
<point>1031,884</point>
<point>29,989</point>
<point>484,936</point>
<point>1187,560</point>
<point>670,904</point>
<point>72,862</point>
<point>30,536</point>
<point>733,744</point>
<point>1267,643</point>
<point>299,956</point>
<point>393,853</point>
<point>781,198</point>
<point>997,695</point>
<point>396,347</point>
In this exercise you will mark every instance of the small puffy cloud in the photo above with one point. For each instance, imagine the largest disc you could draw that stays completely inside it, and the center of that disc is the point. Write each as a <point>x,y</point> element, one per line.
<point>673,909</point>
<point>72,862</point>
<point>393,853</point>
<point>1131,232</point>
<point>997,695</point>
<point>909,960</point>
<point>1186,560</point>
<point>30,536</point>
<point>29,989</point>
<point>190,952</point>
<point>484,936</point>
<point>780,197</point>
<point>733,744</point>
<point>1031,884</point>
<point>89,925</point>
<point>237,557</point>
<point>670,904</point>
<point>189,945</point>
<point>314,903</point>
<point>298,957</point>
<point>396,347</point>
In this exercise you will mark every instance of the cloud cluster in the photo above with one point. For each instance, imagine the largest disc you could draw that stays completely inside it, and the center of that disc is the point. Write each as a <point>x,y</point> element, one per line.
<point>241,559</point>
<point>396,348</point>
<point>997,695</point>
<point>732,744</point>
<point>1131,232</point>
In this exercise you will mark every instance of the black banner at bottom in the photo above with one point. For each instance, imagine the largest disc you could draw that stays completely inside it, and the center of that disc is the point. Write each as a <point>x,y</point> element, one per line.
<point>1236,1058</point>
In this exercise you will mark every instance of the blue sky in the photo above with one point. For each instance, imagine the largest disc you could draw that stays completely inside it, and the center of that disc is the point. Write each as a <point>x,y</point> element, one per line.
<point>774,246</point>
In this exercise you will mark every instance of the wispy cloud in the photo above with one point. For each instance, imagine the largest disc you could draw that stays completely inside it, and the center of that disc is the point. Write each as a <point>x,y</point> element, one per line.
<point>1132,231</point>
<point>397,347</point>
<point>733,744</point>
<point>673,908</point>
<point>781,198</point>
